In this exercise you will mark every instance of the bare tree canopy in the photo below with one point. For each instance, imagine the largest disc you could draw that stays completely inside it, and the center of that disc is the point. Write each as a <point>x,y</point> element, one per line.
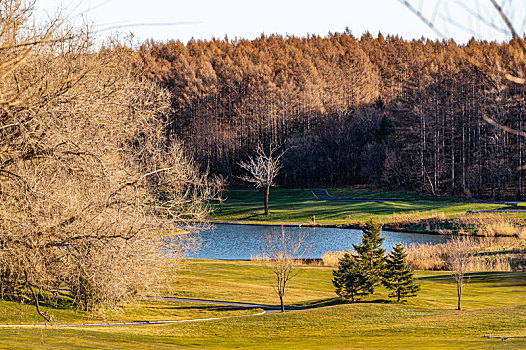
<point>281,251</point>
<point>263,169</point>
<point>459,253</point>
<point>90,187</point>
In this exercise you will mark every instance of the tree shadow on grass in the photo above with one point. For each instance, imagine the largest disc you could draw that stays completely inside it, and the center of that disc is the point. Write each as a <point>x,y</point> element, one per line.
<point>377,301</point>
<point>496,278</point>
<point>254,215</point>
<point>320,303</point>
<point>199,307</point>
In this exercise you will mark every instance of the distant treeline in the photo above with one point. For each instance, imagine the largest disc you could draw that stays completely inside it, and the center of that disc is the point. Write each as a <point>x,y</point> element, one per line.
<point>383,111</point>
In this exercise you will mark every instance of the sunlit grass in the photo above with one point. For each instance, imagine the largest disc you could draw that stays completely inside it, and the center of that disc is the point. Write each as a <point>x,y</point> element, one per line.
<point>495,303</point>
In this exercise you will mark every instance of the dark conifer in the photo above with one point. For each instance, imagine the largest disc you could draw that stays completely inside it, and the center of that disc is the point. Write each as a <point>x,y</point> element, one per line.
<point>349,279</point>
<point>398,275</point>
<point>371,254</point>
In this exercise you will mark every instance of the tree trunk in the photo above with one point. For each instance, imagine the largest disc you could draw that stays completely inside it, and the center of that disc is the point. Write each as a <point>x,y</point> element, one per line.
<point>267,190</point>
<point>459,290</point>
<point>281,302</point>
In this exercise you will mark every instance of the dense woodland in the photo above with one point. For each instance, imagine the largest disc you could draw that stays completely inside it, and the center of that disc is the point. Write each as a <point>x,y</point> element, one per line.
<point>380,111</point>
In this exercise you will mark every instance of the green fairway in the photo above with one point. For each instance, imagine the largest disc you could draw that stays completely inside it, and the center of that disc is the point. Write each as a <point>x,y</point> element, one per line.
<point>495,304</point>
<point>299,206</point>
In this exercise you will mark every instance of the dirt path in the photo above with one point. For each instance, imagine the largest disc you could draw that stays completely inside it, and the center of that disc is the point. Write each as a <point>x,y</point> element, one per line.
<point>267,309</point>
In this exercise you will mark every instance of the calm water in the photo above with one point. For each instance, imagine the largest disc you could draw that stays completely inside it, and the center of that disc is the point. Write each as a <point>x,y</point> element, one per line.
<point>243,241</point>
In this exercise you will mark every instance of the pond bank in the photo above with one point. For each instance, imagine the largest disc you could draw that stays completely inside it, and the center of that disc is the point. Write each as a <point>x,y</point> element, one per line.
<point>386,227</point>
<point>430,226</point>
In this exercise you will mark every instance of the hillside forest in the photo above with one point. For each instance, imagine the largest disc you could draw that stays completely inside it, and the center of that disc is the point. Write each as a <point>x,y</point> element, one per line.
<point>384,112</point>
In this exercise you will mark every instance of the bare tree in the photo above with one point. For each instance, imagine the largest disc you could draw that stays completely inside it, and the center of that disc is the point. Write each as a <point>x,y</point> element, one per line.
<point>263,169</point>
<point>459,252</point>
<point>281,252</point>
<point>219,184</point>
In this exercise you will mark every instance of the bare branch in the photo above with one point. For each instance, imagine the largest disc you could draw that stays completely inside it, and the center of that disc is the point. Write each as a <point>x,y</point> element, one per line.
<point>280,253</point>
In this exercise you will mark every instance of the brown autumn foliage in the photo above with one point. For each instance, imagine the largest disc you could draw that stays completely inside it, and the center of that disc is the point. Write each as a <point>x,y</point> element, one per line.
<point>90,187</point>
<point>428,132</point>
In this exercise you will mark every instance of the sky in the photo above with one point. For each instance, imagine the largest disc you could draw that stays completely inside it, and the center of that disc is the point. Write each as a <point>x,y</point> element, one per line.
<point>164,20</point>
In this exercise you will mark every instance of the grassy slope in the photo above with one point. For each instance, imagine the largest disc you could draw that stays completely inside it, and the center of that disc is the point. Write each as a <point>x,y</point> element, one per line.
<point>139,310</point>
<point>300,205</point>
<point>495,304</point>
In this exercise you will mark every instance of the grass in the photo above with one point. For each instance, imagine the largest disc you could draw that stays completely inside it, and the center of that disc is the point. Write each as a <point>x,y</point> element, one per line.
<point>366,193</point>
<point>495,303</point>
<point>138,310</point>
<point>248,281</point>
<point>414,213</point>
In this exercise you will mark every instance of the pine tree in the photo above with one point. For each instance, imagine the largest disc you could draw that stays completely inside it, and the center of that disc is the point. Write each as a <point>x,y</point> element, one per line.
<point>371,254</point>
<point>398,275</point>
<point>349,279</point>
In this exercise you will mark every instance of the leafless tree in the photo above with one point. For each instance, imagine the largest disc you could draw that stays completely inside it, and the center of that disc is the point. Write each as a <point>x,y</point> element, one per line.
<point>92,193</point>
<point>281,251</point>
<point>459,252</point>
<point>263,169</point>
<point>219,184</point>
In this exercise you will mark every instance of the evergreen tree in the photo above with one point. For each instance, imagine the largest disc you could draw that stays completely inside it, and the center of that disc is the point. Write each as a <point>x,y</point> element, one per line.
<point>349,279</point>
<point>371,254</point>
<point>398,275</point>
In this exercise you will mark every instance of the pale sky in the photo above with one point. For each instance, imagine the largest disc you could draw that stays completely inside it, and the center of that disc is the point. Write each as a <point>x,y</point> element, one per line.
<point>204,19</point>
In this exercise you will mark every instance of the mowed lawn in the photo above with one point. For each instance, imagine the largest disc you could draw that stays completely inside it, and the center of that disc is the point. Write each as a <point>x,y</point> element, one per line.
<point>495,304</point>
<point>298,206</point>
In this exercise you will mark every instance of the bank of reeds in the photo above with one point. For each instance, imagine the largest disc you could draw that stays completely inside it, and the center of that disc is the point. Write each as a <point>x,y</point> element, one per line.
<point>490,254</point>
<point>417,216</point>
<point>476,224</point>
<point>331,258</point>
<point>489,225</point>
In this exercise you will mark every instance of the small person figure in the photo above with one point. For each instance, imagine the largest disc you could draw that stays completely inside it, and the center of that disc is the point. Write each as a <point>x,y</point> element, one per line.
<point>313,220</point>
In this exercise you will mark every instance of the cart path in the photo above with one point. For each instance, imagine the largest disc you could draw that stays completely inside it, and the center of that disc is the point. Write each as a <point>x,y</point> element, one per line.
<point>267,309</point>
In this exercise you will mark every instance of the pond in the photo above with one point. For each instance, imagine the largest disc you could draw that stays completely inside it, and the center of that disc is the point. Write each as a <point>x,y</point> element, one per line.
<point>241,242</point>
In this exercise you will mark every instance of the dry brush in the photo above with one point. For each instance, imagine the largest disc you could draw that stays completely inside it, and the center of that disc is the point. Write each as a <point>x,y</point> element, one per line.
<point>90,186</point>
